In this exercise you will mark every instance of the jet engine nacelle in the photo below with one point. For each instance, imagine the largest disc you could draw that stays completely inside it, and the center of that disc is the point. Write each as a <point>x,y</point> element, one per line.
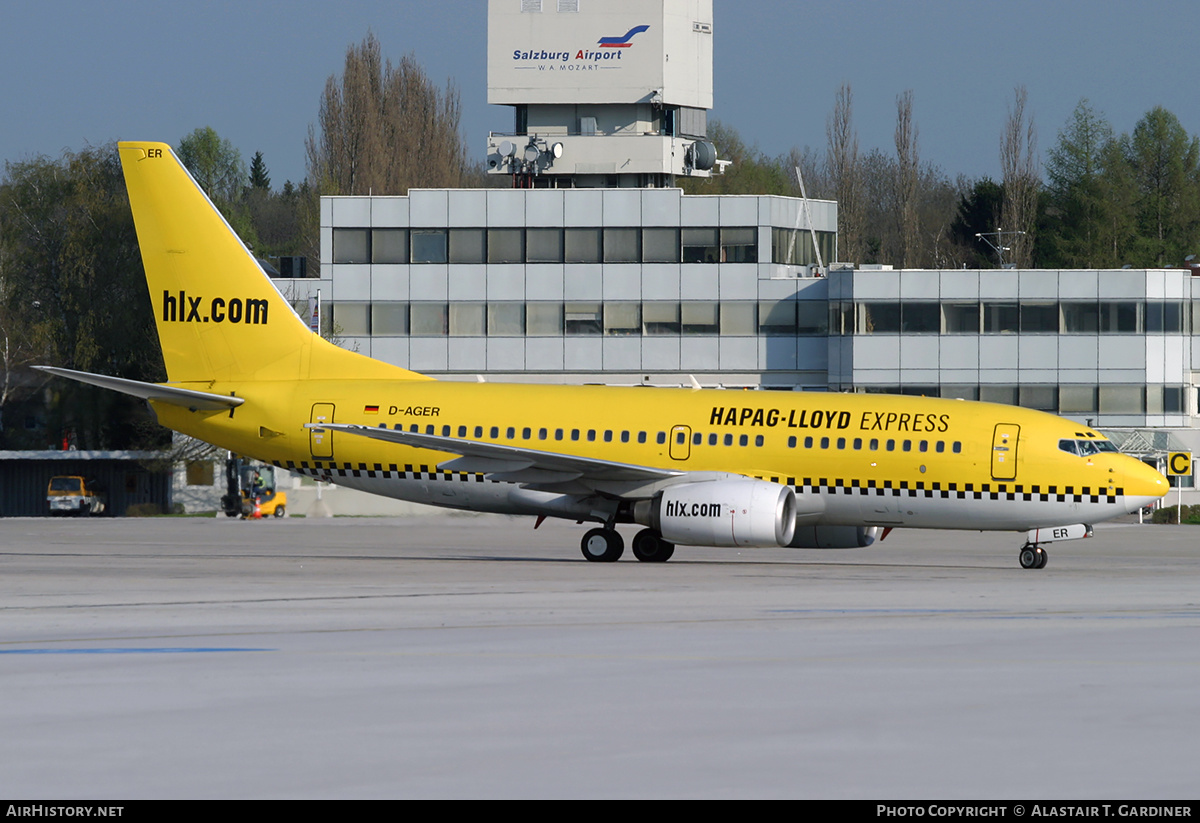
<point>749,513</point>
<point>833,537</point>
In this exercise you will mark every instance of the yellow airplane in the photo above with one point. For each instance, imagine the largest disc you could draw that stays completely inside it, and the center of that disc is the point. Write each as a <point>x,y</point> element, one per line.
<point>692,466</point>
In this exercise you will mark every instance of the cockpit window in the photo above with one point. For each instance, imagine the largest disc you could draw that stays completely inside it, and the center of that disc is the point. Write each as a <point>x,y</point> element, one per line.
<point>1085,448</point>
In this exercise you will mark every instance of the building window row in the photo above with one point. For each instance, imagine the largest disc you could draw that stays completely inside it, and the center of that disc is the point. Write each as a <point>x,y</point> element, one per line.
<point>735,318</point>
<point>1062,398</point>
<point>795,247</point>
<point>1014,317</point>
<point>546,245</point>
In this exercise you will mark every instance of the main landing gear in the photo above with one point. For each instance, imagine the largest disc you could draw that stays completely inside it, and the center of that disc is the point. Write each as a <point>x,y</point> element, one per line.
<point>604,545</point>
<point>1033,556</point>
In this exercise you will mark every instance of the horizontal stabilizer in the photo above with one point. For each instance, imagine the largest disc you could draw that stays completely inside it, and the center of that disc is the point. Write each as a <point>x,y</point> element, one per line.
<point>188,398</point>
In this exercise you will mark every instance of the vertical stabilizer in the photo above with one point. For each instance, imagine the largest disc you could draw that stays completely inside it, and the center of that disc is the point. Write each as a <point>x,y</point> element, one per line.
<point>219,316</point>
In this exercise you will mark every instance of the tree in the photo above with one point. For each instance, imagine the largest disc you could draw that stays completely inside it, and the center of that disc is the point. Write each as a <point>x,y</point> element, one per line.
<point>1076,206</point>
<point>215,163</point>
<point>1018,164</point>
<point>907,177</point>
<point>1165,164</point>
<point>70,269</point>
<point>218,168</point>
<point>750,171</point>
<point>384,129</point>
<point>845,175</point>
<point>259,178</point>
<point>979,210</point>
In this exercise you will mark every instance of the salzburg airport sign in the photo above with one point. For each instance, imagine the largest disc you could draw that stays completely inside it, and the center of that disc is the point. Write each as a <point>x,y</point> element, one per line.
<point>617,63</point>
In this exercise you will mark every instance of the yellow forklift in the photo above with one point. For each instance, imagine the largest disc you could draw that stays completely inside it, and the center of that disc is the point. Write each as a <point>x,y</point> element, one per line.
<point>250,490</point>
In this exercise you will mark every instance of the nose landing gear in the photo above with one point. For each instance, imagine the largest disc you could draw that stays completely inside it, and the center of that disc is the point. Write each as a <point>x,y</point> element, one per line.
<point>1033,557</point>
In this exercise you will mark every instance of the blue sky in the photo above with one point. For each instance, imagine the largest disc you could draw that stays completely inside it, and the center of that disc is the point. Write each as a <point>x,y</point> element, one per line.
<point>79,72</point>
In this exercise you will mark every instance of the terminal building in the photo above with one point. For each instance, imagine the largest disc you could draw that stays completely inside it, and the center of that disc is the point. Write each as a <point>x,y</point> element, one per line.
<point>593,267</point>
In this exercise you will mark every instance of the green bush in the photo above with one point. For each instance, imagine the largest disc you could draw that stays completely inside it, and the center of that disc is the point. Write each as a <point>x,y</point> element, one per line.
<point>1171,514</point>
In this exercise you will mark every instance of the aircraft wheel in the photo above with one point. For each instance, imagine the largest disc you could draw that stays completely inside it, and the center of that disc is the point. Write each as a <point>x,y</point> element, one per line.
<point>280,511</point>
<point>1043,556</point>
<point>649,547</point>
<point>1032,557</point>
<point>602,546</point>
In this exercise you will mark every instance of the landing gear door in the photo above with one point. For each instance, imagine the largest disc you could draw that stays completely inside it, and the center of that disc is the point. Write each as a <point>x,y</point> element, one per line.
<point>1004,451</point>
<point>320,441</point>
<point>681,442</point>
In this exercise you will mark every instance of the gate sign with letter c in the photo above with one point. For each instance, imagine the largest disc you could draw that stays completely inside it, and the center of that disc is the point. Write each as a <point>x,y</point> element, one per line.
<point>1179,464</point>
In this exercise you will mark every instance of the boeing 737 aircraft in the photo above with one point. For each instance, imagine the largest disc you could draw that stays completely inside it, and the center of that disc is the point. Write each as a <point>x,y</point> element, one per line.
<point>691,466</point>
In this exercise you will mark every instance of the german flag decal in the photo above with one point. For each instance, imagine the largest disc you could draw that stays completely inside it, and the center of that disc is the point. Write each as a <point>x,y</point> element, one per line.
<point>370,410</point>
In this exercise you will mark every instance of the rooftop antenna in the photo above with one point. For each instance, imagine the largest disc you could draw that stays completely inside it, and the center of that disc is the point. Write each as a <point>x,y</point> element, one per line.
<point>998,246</point>
<point>811,230</point>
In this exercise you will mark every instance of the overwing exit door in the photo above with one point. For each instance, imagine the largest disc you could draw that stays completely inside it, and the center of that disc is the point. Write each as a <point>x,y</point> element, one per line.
<point>681,442</point>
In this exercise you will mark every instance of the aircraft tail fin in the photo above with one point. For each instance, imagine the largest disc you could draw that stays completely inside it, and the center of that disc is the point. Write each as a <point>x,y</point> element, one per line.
<point>219,316</point>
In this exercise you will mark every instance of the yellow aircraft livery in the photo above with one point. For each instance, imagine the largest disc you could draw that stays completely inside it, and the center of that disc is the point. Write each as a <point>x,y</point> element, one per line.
<point>691,466</point>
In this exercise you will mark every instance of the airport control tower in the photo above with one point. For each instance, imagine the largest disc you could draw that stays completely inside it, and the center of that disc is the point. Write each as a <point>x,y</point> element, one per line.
<point>611,94</point>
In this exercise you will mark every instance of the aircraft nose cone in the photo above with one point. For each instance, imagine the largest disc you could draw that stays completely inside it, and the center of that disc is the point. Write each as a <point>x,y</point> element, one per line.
<point>1142,481</point>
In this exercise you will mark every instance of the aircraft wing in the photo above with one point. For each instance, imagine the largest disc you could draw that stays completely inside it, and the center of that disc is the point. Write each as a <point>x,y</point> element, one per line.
<point>514,464</point>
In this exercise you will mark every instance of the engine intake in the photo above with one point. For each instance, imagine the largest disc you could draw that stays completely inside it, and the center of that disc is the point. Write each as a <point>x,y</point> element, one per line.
<point>749,513</point>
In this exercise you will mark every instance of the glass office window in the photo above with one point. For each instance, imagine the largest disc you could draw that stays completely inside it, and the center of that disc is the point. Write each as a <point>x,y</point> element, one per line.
<point>428,319</point>
<point>699,317</point>
<point>544,245</point>
<point>389,245</point>
<point>738,318</point>
<point>700,246</point>
<point>352,319</point>
<point>582,318</point>
<point>468,319</point>
<point>1119,317</point>
<point>1001,318</point>
<point>428,245</point>
<point>1122,399</point>
<point>961,318</point>
<point>389,318</point>
<point>660,245</point>
<point>1164,318</point>
<point>920,318</point>
<point>351,246</point>
<point>660,318</point>
<point>622,246</point>
<point>1076,399</point>
<point>777,317</point>
<point>582,245</point>
<point>1173,400</point>
<point>622,318</point>
<point>506,246</point>
<point>812,317</point>
<point>998,394</point>
<point>544,319</point>
<point>1081,318</point>
<point>468,246</point>
<point>1039,317</point>
<point>878,318</point>
<point>739,245</point>
<point>1043,398</point>
<point>506,319</point>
